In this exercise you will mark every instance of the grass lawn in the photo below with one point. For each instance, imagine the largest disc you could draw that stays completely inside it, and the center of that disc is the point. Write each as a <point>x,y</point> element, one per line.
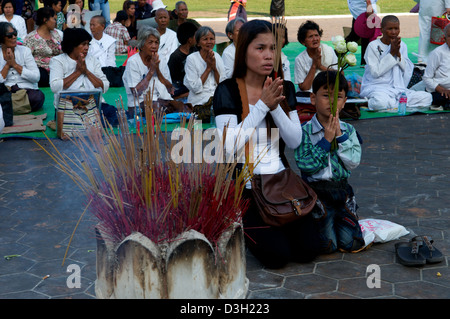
<point>219,8</point>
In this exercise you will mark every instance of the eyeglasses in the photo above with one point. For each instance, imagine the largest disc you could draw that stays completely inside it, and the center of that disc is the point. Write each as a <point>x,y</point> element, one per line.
<point>11,34</point>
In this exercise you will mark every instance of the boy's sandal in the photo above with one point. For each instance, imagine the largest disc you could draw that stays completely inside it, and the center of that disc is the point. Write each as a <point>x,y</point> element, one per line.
<point>428,251</point>
<point>408,253</point>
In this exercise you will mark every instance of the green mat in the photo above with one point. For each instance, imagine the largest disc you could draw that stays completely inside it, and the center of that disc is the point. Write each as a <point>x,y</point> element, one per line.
<point>291,50</point>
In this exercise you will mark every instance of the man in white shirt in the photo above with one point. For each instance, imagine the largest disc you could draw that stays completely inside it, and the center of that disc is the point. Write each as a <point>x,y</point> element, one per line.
<point>437,73</point>
<point>102,45</point>
<point>168,41</point>
<point>389,70</point>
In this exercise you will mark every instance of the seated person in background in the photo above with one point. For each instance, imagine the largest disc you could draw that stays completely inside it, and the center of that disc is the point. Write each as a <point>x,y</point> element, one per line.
<point>143,10</point>
<point>17,66</point>
<point>118,31</point>
<point>57,6</point>
<point>389,70</point>
<point>130,8</point>
<point>317,57</point>
<point>181,11</point>
<point>232,31</point>
<point>186,36</point>
<point>75,70</point>
<point>102,46</point>
<point>147,69</point>
<point>437,73</point>
<point>326,170</point>
<point>8,9</point>
<point>44,43</point>
<point>168,41</point>
<point>204,68</point>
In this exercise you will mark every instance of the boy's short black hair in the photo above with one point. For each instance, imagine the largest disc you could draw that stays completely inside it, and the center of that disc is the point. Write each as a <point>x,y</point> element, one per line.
<point>326,78</point>
<point>185,31</point>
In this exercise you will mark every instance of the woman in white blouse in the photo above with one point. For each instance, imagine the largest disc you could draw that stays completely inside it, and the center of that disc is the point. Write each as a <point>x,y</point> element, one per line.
<point>75,70</point>
<point>8,9</point>
<point>204,68</point>
<point>146,70</point>
<point>17,66</point>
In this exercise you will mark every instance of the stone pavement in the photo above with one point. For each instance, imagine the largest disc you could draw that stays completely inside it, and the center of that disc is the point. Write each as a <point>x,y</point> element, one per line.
<point>403,178</point>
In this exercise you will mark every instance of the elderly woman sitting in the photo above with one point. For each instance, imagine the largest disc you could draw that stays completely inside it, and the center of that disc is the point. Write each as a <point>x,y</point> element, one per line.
<point>75,70</point>
<point>18,68</point>
<point>44,42</point>
<point>204,68</point>
<point>147,69</point>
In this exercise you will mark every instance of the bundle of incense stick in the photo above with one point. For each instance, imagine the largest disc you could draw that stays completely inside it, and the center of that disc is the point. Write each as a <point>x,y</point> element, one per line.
<point>278,30</point>
<point>132,183</point>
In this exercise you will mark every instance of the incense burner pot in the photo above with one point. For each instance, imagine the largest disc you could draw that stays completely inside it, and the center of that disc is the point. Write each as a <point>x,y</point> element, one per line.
<point>188,267</point>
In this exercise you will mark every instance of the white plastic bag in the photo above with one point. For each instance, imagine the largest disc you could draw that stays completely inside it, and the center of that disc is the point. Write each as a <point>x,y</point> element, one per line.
<point>381,231</point>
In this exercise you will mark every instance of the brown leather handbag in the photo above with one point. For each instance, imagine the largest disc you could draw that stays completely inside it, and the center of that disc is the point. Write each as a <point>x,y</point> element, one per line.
<point>282,197</point>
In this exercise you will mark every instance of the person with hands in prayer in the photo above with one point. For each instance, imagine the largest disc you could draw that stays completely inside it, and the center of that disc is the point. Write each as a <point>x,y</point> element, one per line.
<point>147,69</point>
<point>252,100</point>
<point>389,70</point>
<point>204,68</point>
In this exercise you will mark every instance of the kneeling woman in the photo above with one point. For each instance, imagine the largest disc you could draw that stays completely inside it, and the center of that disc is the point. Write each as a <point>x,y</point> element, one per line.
<point>75,70</point>
<point>18,68</point>
<point>254,99</point>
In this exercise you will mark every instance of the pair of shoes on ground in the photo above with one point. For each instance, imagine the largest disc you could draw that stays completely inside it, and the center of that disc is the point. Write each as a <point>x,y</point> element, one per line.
<point>418,252</point>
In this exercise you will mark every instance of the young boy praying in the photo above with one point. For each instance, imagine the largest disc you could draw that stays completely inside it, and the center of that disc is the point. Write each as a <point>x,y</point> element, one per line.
<point>326,169</point>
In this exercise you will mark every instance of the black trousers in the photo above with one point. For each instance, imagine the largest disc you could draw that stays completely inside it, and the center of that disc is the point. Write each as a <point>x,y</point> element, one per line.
<point>438,99</point>
<point>274,246</point>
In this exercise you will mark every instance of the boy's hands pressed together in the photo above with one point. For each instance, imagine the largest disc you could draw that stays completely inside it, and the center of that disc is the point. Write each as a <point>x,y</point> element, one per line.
<point>332,128</point>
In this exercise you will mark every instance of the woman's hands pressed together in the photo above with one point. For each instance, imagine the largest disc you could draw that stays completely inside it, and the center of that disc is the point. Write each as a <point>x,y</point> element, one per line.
<point>272,93</point>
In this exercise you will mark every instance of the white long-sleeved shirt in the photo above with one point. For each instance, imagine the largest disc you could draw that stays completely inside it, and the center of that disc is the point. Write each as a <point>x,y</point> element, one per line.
<point>19,23</point>
<point>104,50</point>
<point>437,71</point>
<point>266,153</point>
<point>135,72</point>
<point>199,92</point>
<point>61,66</point>
<point>30,73</point>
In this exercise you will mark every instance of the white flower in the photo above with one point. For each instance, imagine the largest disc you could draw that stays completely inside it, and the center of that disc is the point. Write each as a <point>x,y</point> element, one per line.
<point>350,59</point>
<point>340,47</point>
<point>352,46</point>
<point>336,39</point>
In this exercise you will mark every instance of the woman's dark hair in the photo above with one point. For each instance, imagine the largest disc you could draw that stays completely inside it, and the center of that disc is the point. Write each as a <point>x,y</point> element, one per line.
<point>5,2</point>
<point>73,2</point>
<point>327,79</point>
<point>247,33</point>
<point>44,14</point>
<point>127,4</point>
<point>4,27</point>
<point>305,27</point>
<point>73,37</point>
